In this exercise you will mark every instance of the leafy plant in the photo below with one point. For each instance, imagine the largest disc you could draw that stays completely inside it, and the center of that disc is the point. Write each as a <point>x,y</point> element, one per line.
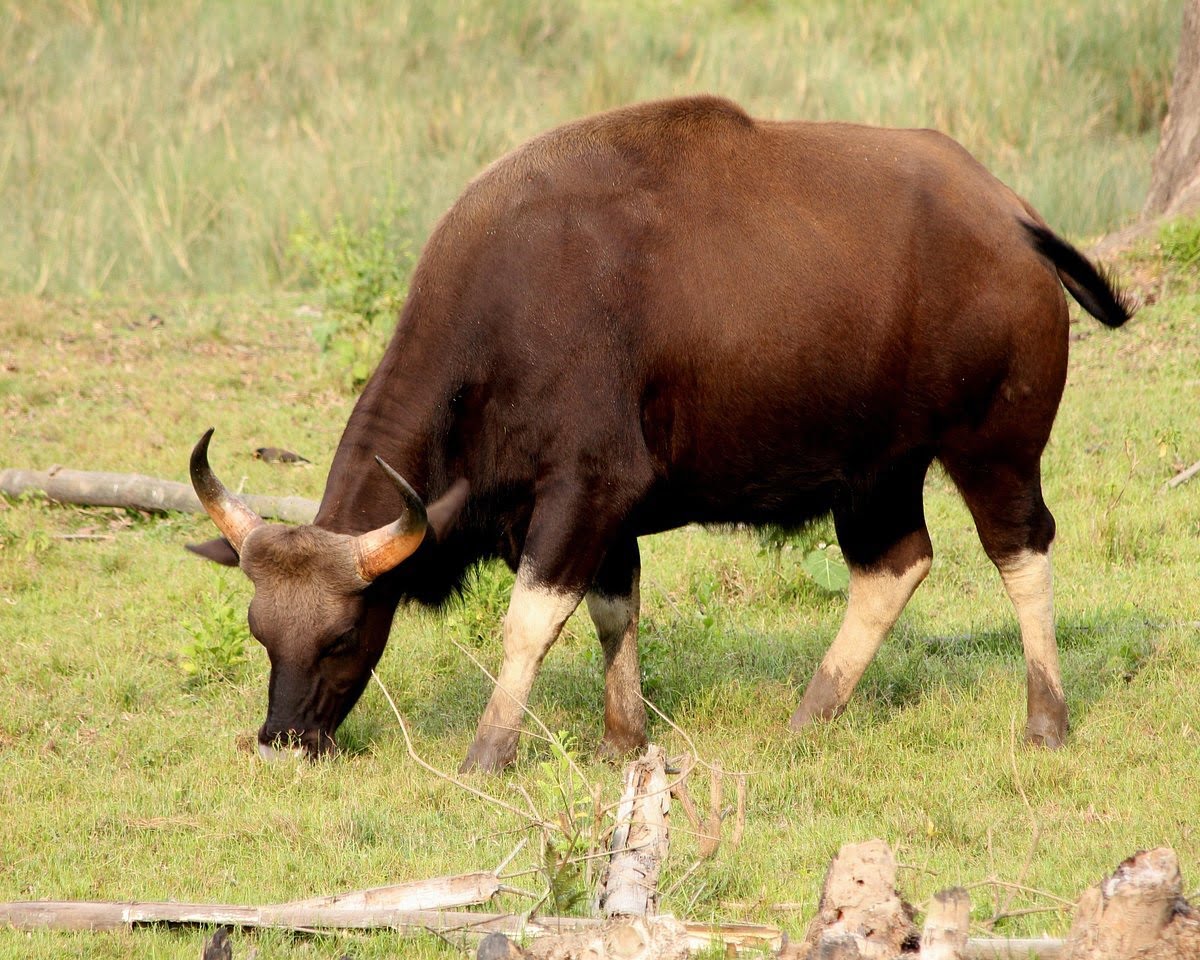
<point>363,277</point>
<point>821,557</point>
<point>474,616</point>
<point>827,567</point>
<point>566,853</point>
<point>1180,242</point>
<point>217,648</point>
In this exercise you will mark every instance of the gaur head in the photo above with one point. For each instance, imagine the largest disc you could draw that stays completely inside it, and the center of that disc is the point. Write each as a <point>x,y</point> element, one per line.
<point>308,608</point>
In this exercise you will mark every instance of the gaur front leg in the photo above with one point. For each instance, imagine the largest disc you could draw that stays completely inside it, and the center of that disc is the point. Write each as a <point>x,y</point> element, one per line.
<point>613,603</point>
<point>536,614</point>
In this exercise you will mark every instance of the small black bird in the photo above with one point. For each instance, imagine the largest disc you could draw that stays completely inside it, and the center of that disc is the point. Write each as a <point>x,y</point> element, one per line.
<point>218,946</point>
<point>278,455</point>
<point>496,946</point>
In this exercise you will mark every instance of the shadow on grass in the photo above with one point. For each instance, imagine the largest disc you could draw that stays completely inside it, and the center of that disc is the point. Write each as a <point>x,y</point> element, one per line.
<point>724,676</point>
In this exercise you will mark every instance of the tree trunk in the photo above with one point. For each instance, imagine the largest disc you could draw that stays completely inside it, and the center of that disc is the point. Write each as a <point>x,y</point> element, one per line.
<point>1175,183</point>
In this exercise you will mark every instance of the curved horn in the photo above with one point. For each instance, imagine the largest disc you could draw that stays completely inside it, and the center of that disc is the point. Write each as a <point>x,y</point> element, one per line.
<point>378,551</point>
<point>229,512</point>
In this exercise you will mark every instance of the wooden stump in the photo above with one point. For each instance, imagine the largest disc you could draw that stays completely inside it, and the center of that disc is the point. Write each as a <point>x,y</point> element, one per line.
<point>860,915</point>
<point>639,842</point>
<point>1138,913</point>
<point>944,936</point>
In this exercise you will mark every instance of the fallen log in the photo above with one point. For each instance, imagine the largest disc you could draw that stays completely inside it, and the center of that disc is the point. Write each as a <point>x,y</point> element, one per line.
<point>109,915</point>
<point>133,490</point>
<point>82,915</point>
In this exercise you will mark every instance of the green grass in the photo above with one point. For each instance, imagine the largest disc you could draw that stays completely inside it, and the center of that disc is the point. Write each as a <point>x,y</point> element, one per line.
<point>156,163</point>
<point>176,146</point>
<point>121,773</point>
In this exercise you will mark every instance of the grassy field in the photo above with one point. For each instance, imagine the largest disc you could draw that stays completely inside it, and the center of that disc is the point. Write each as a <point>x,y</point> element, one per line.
<point>155,163</point>
<point>121,775</point>
<point>157,146</point>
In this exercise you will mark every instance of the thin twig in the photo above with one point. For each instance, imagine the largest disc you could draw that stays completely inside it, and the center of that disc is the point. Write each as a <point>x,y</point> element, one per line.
<point>511,857</point>
<point>525,709</point>
<point>1019,887</point>
<point>686,873</point>
<point>496,801</point>
<point>697,759</point>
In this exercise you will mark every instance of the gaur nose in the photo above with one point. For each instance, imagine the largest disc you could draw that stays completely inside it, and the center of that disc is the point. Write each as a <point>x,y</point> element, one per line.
<point>269,752</point>
<point>280,744</point>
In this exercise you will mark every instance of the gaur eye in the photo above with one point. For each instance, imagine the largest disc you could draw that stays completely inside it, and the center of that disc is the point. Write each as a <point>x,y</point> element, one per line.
<point>345,643</point>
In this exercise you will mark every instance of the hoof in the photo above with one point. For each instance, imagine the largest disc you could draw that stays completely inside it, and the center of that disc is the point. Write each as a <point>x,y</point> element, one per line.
<point>486,760</point>
<point>808,714</point>
<point>820,702</point>
<point>1046,732</point>
<point>619,749</point>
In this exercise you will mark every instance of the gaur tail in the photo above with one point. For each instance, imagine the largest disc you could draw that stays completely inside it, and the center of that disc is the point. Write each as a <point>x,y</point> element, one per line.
<point>1093,288</point>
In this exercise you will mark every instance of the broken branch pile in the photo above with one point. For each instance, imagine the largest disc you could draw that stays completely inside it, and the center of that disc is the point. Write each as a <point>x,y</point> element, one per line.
<point>1138,913</point>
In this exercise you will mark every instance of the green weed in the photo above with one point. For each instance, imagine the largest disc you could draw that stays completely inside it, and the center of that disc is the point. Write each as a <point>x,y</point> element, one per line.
<point>1180,242</point>
<point>217,648</point>
<point>362,274</point>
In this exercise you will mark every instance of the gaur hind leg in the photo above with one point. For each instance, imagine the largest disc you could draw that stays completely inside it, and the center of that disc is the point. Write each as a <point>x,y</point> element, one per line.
<point>881,530</point>
<point>613,604</point>
<point>1016,530</point>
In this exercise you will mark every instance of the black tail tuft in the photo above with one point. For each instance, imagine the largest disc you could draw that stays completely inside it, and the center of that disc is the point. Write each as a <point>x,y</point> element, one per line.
<point>1094,289</point>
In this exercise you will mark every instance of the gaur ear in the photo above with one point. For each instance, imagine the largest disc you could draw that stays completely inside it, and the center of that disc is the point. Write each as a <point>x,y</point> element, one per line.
<point>443,513</point>
<point>219,551</point>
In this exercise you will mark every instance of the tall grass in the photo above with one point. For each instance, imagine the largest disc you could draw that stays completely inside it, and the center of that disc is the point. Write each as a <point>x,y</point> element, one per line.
<point>175,146</point>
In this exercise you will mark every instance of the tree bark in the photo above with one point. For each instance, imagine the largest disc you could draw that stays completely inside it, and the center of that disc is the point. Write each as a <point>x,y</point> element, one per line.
<point>944,935</point>
<point>639,842</point>
<point>1175,182</point>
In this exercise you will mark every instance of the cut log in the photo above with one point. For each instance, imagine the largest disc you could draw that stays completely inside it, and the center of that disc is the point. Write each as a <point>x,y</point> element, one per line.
<point>859,901</point>
<point>133,490</point>
<point>1138,912</point>
<point>639,842</point>
<point>944,935</point>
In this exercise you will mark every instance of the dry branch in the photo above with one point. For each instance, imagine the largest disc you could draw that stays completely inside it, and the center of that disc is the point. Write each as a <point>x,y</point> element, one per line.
<point>138,492</point>
<point>995,948</point>
<point>1183,476</point>
<point>439,893</point>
